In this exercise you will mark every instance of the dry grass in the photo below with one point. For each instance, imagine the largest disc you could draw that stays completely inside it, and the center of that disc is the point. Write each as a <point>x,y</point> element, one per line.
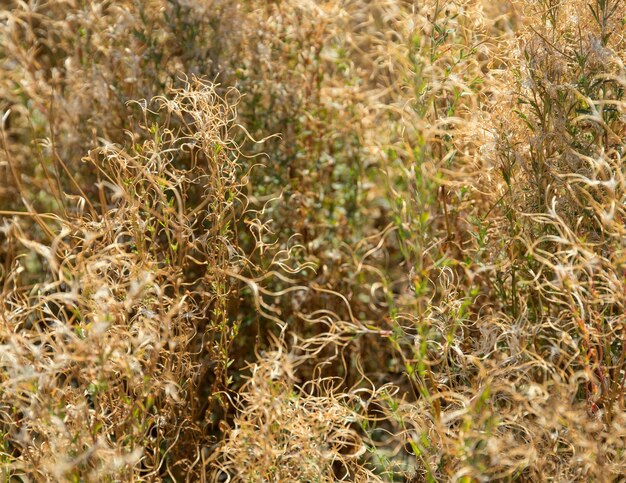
<point>312,241</point>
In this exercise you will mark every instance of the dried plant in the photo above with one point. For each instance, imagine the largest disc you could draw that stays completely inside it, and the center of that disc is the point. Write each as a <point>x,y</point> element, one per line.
<point>397,255</point>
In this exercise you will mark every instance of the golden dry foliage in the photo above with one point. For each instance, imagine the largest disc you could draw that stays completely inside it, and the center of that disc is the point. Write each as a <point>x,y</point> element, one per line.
<point>290,431</point>
<point>398,255</point>
<point>106,352</point>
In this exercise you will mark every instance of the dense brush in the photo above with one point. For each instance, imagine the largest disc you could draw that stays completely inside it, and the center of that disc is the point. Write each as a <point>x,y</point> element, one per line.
<point>312,241</point>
